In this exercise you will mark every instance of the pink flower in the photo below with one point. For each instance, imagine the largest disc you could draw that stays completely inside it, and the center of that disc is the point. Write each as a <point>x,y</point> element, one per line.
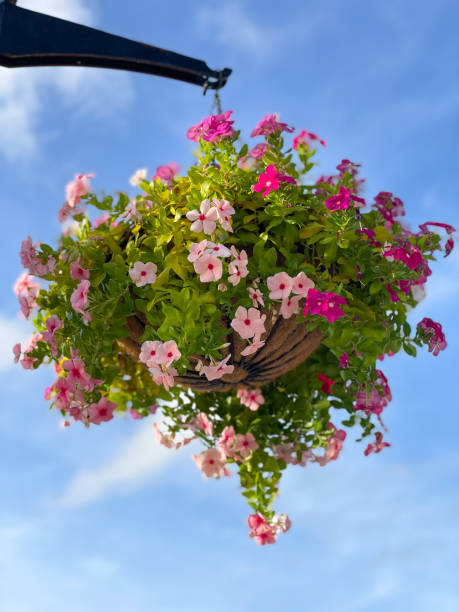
<point>304,138</point>
<point>302,284</point>
<point>77,272</point>
<point>131,213</point>
<point>101,412</point>
<point>411,256</point>
<point>163,377</point>
<point>197,250</point>
<point>280,285</point>
<point>225,212</point>
<point>219,250</point>
<point>213,129</point>
<point>143,273</point>
<point>269,180</point>
<point>171,352</point>
<point>76,373</point>
<point>344,361</point>
<point>261,530</point>
<point>241,258</point>
<point>209,268</point>
<point>24,283</point>
<point>270,125</point>
<point>248,322</point>
<point>434,334</point>
<point>327,383</point>
<point>77,188</point>
<point>374,400</point>
<point>377,446</point>
<point>388,206</point>
<point>218,370</point>
<point>253,348</point>
<point>324,304</point>
<point>79,298</point>
<point>342,200</point>
<point>203,422</point>
<point>290,306</point>
<point>222,287</point>
<point>151,352</point>
<point>282,523</point>
<point>138,176</point>
<point>205,219</point>
<point>251,398</point>
<point>166,441</point>
<point>226,440</point>
<point>236,273</point>
<point>27,303</point>
<point>212,463</point>
<point>245,444</point>
<point>101,220</point>
<point>259,150</point>
<point>17,352</point>
<point>256,296</point>
<point>167,172</point>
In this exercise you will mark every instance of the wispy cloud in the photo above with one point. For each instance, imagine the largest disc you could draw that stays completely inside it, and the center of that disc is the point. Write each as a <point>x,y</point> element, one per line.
<point>137,460</point>
<point>23,91</point>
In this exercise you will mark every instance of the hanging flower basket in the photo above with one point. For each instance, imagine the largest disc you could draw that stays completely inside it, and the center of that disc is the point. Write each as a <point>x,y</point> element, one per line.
<point>251,298</point>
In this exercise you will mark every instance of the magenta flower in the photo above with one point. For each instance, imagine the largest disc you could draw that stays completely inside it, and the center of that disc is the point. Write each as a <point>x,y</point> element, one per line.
<point>344,361</point>
<point>259,150</point>
<point>304,138</point>
<point>270,125</point>
<point>327,383</point>
<point>410,256</point>
<point>248,323</point>
<point>167,173</point>
<point>434,334</point>
<point>324,304</point>
<point>342,200</point>
<point>213,129</point>
<point>269,180</point>
<point>377,446</point>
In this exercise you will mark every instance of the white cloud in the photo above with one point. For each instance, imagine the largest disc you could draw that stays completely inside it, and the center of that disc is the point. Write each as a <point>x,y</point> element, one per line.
<point>12,330</point>
<point>137,460</point>
<point>24,92</point>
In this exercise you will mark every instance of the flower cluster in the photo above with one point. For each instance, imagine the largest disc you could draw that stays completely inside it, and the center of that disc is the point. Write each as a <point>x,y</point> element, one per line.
<point>248,301</point>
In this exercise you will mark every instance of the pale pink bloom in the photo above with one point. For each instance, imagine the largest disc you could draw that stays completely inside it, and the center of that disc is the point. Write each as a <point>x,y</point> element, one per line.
<point>236,271</point>
<point>209,268</point>
<point>28,253</point>
<point>248,322</point>
<point>245,444</point>
<point>256,296</point>
<point>204,219</point>
<point>203,422</point>
<point>304,138</point>
<point>253,348</point>
<point>143,273</point>
<point>151,352</point>
<point>23,283</point>
<point>222,287</point>
<point>282,523</point>
<point>241,258</point>
<point>101,220</point>
<point>280,285</point>
<point>218,370</point>
<point>302,284</point>
<point>166,441</point>
<point>219,250</point>
<point>17,352</point>
<point>226,440</point>
<point>77,188</point>
<point>259,150</point>
<point>197,250</point>
<point>65,210</point>
<point>138,176</point>
<point>101,412</point>
<point>77,272</point>
<point>167,172</point>
<point>212,463</point>
<point>223,207</point>
<point>247,163</point>
<point>252,398</point>
<point>79,298</point>
<point>64,393</point>
<point>131,213</point>
<point>163,377</point>
<point>170,352</point>
<point>290,306</point>
<point>76,373</point>
<point>86,317</point>
<point>27,303</point>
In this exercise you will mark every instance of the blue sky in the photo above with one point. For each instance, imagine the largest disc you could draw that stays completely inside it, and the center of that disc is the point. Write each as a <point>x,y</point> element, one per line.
<point>103,519</point>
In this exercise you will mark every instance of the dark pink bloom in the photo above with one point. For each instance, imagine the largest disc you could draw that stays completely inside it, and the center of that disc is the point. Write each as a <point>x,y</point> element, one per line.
<point>449,244</point>
<point>167,173</point>
<point>269,180</point>
<point>327,383</point>
<point>410,256</point>
<point>377,446</point>
<point>344,361</point>
<point>270,125</point>
<point>342,200</point>
<point>213,128</point>
<point>376,399</point>
<point>434,334</point>
<point>261,530</point>
<point>324,304</point>
<point>77,272</point>
<point>259,150</point>
<point>388,206</point>
<point>346,165</point>
<point>77,188</point>
<point>304,138</point>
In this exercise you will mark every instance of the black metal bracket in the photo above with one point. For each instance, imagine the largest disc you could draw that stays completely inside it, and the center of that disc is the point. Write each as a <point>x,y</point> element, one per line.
<point>28,38</point>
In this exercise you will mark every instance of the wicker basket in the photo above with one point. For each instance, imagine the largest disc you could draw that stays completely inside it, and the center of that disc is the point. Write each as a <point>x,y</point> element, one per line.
<point>287,345</point>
